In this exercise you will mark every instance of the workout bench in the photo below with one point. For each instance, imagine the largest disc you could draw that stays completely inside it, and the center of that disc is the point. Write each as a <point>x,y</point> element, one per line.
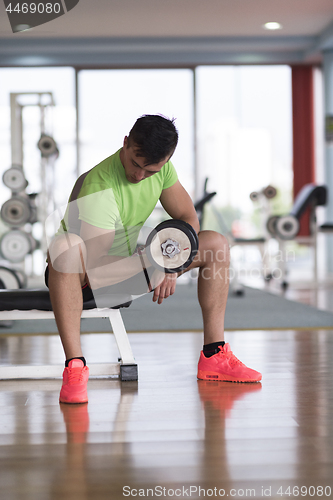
<point>25,304</point>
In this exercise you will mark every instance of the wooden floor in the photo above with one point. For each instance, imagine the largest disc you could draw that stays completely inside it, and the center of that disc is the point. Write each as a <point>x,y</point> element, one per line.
<point>170,430</point>
<point>170,435</point>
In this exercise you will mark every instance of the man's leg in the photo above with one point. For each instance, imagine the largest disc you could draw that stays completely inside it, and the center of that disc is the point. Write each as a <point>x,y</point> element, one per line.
<point>66,276</point>
<point>213,260</point>
<point>216,362</point>
<point>213,283</point>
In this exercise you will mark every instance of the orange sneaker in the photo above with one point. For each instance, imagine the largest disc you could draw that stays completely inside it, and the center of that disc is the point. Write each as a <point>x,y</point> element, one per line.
<point>74,386</point>
<point>225,366</point>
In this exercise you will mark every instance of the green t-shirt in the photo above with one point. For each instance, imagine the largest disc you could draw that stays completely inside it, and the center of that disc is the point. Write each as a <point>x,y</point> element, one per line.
<point>108,200</point>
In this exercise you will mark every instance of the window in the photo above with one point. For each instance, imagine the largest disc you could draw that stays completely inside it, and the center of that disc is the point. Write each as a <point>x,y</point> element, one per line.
<point>244,136</point>
<point>62,125</point>
<point>111,100</point>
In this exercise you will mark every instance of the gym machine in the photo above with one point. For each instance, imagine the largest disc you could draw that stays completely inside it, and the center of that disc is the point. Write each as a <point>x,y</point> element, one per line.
<point>23,210</point>
<point>286,228</point>
<point>269,192</point>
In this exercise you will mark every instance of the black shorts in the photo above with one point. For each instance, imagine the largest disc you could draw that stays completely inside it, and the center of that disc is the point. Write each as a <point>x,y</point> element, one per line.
<point>87,293</point>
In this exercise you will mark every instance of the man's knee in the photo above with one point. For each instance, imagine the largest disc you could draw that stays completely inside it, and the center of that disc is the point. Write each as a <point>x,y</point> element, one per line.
<point>67,253</point>
<point>215,247</point>
<point>222,249</point>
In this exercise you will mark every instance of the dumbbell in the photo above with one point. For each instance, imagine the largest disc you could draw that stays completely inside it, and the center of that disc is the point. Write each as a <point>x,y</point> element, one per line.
<point>172,246</point>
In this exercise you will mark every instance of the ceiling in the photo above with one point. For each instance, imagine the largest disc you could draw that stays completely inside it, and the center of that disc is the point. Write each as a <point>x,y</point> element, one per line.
<point>174,32</point>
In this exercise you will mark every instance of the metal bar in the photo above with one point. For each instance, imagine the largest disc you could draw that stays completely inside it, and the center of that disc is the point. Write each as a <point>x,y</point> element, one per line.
<point>121,337</point>
<point>16,131</point>
<point>36,314</point>
<point>54,371</point>
<point>195,137</point>
<point>77,123</point>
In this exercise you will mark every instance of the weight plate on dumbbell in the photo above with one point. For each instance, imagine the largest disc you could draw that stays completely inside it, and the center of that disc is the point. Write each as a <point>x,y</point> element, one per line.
<point>287,227</point>
<point>178,234</point>
<point>14,179</point>
<point>271,224</point>
<point>181,241</point>
<point>182,223</point>
<point>16,211</point>
<point>15,245</point>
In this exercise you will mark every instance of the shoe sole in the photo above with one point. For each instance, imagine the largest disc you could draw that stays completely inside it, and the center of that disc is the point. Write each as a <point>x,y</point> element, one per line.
<point>73,402</point>
<point>202,375</point>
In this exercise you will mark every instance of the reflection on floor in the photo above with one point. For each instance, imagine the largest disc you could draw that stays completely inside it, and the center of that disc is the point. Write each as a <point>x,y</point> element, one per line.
<point>170,435</point>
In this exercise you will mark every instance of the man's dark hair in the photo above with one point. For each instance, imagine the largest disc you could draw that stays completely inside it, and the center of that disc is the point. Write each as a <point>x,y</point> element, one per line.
<point>153,137</point>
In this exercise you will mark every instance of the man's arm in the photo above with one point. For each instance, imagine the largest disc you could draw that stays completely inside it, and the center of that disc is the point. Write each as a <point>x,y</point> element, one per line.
<point>103,269</point>
<point>178,204</point>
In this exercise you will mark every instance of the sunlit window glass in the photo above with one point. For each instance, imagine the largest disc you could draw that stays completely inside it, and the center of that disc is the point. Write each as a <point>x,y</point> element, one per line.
<point>244,135</point>
<point>110,101</point>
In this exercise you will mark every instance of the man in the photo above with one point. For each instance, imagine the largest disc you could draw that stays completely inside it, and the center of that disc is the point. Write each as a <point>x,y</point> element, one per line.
<point>95,249</point>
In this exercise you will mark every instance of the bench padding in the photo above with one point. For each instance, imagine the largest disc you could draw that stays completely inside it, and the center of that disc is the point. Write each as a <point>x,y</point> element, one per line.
<point>27,300</point>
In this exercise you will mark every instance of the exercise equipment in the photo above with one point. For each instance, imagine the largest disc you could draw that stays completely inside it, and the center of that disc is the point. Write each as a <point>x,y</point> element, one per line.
<point>11,279</point>
<point>47,146</point>
<point>268,192</point>
<point>14,179</point>
<point>22,207</point>
<point>287,227</point>
<point>270,224</point>
<point>200,204</point>
<point>16,244</point>
<point>254,196</point>
<point>263,199</point>
<point>36,304</point>
<point>19,210</point>
<point>16,211</point>
<point>236,287</point>
<point>172,246</point>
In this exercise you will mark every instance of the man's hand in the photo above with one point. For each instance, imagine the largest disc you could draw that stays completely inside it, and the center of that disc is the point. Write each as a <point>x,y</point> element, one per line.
<point>165,288</point>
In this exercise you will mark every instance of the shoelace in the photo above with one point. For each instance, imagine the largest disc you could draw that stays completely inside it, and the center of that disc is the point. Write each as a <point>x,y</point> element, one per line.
<point>233,361</point>
<point>75,375</point>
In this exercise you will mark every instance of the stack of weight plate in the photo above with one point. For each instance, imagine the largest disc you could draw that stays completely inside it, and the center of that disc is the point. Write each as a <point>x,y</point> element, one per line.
<point>19,210</point>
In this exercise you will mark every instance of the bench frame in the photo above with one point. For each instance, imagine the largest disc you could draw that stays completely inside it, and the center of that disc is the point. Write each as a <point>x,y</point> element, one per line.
<point>126,368</point>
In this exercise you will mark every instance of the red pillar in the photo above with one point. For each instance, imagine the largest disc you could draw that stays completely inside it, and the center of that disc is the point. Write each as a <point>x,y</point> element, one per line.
<point>303,133</point>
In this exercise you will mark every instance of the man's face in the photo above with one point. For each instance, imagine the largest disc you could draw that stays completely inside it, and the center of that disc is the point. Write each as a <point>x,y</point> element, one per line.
<point>136,168</point>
